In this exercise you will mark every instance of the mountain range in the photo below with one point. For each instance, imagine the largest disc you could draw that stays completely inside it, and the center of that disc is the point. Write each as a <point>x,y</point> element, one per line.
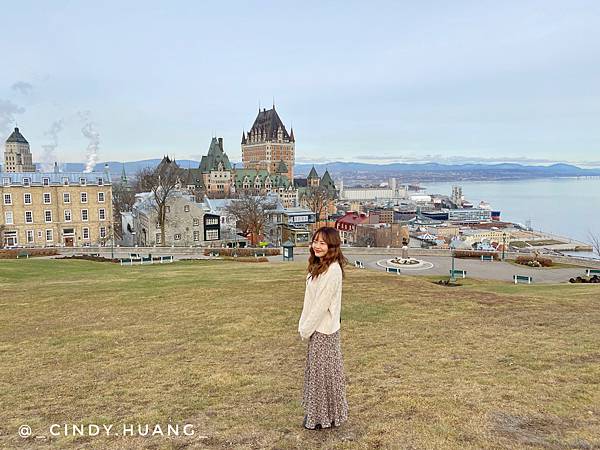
<point>403,171</point>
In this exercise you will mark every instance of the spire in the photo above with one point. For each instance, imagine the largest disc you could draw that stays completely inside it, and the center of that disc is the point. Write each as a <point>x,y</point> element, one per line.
<point>292,135</point>
<point>243,136</point>
<point>123,175</point>
<point>312,173</point>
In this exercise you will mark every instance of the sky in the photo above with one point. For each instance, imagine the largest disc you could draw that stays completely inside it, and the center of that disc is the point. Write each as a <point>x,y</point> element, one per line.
<point>377,82</point>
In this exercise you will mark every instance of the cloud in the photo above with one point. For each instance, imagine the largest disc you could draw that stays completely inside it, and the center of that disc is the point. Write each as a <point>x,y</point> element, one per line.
<point>7,115</point>
<point>22,86</point>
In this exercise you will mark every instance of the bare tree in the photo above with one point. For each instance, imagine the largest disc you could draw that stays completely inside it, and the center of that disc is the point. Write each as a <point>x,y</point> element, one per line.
<point>316,199</point>
<point>123,200</point>
<point>251,216</point>
<point>2,236</point>
<point>162,182</point>
<point>595,240</point>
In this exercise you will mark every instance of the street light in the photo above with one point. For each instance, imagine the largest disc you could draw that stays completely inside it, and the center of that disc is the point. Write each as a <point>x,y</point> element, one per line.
<point>503,243</point>
<point>452,247</point>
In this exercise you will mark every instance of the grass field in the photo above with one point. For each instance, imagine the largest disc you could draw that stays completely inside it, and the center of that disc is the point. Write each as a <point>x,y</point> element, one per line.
<point>214,344</point>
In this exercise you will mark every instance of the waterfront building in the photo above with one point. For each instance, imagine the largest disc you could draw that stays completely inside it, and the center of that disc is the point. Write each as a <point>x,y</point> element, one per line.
<point>466,215</point>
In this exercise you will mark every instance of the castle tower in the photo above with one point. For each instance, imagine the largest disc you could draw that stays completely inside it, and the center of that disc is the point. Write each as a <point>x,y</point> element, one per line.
<point>268,143</point>
<point>17,156</point>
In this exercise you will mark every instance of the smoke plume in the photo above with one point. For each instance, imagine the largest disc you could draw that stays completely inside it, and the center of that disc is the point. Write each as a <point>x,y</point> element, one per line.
<point>93,137</point>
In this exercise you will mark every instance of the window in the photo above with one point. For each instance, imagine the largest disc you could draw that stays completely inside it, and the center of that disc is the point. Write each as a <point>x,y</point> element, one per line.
<point>100,181</point>
<point>8,218</point>
<point>6,181</point>
<point>177,237</point>
<point>67,215</point>
<point>186,208</point>
<point>102,232</point>
<point>196,222</point>
<point>49,236</point>
<point>66,197</point>
<point>212,235</point>
<point>65,181</point>
<point>47,198</point>
<point>48,216</point>
<point>28,216</point>
<point>158,238</point>
<point>196,235</point>
<point>84,197</point>
<point>29,234</point>
<point>46,181</point>
<point>27,198</point>
<point>212,221</point>
<point>7,199</point>
<point>26,181</point>
<point>84,215</point>
<point>102,214</point>
<point>82,181</point>
<point>101,197</point>
<point>86,233</point>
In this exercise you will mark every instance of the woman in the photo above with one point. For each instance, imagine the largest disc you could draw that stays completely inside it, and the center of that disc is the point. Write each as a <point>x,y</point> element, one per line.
<point>324,395</point>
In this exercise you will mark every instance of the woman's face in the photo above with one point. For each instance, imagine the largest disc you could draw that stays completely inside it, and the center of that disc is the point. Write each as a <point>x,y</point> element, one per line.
<point>319,246</point>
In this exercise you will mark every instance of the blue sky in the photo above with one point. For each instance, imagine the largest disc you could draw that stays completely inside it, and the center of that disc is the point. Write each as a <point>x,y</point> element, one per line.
<point>359,81</point>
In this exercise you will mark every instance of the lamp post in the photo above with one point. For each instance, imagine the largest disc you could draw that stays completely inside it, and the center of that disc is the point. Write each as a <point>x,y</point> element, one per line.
<point>112,241</point>
<point>452,247</point>
<point>503,243</point>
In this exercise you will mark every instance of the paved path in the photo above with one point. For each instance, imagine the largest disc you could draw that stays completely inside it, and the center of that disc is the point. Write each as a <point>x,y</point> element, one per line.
<point>495,270</point>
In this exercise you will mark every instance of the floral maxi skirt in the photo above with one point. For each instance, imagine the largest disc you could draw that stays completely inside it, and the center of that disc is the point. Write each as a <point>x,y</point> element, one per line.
<point>324,395</point>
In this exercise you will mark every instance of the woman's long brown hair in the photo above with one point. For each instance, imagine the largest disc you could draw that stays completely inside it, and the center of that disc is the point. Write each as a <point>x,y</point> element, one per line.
<point>316,265</point>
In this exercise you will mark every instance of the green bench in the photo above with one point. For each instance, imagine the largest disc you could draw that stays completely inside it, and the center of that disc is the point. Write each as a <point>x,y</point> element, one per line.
<point>458,273</point>
<point>487,257</point>
<point>522,279</point>
<point>23,255</point>
<point>392,270</point>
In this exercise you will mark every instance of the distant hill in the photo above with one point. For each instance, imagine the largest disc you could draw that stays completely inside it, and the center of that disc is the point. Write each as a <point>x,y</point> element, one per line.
<point>422,171</point>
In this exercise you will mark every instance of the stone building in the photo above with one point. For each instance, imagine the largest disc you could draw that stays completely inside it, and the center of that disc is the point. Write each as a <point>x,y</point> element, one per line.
<point>17,155</point>
<point>188,222</point>
<point>268,143</point>
<point>313,180</point>
<point>55,209</point>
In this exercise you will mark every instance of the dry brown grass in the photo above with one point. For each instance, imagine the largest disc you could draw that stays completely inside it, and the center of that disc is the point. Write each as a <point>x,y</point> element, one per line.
<point>214,343</point>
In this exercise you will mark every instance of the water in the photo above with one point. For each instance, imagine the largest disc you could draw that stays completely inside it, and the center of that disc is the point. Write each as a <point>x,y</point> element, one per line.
<point>568,207</point>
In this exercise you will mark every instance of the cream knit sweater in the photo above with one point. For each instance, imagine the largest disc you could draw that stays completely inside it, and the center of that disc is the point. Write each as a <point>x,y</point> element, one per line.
<point>322,303</point>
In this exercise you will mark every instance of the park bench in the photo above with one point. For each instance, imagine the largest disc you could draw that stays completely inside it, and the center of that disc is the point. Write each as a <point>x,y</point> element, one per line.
<point>134,255</point>
<point>214,254</point>
<point>522,279</point>
<point>590,272</point>
<point>359,264</point>
<point>487,257</point>
<point>259,254</point>
<point>164,259</point>
<point>23,254</point>
<point>458,273</point>
<point>392,270</point>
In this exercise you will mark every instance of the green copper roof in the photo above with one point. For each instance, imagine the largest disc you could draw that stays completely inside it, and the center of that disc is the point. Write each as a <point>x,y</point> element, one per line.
<point>215,156</point>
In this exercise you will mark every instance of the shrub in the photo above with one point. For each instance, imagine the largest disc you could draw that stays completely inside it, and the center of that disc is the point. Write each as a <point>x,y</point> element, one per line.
<point>32,252</point>
<point>474,254</point>
<point>533,261</point>
<point>242,251</point>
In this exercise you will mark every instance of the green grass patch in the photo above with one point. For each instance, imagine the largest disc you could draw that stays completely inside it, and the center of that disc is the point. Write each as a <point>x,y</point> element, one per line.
<point>214,344</point>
